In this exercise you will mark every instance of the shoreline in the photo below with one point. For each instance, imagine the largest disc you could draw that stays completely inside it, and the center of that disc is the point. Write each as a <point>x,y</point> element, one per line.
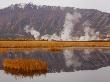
<point>46,44</point>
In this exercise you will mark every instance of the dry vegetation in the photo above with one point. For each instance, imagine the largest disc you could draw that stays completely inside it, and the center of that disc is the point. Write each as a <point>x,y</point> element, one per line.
<point>51,46</point>
<point>25,67</point>
<point>15,50</point>
<point>37,44</point>
<point>54,49</point>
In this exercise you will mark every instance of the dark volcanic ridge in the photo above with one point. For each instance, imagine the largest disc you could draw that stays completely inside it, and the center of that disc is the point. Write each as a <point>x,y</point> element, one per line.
<point>30,21</point>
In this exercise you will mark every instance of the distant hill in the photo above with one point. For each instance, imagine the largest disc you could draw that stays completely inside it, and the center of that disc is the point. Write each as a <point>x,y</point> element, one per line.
<point>47,20</point>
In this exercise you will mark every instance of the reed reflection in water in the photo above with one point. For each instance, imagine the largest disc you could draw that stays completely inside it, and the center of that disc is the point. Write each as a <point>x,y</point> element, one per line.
<point>67,59</point>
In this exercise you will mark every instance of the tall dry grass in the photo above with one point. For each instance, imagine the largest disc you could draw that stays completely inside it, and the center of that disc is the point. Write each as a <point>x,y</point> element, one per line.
<point>25,67</point>
<point>37,44</point>
<point>53,46</point>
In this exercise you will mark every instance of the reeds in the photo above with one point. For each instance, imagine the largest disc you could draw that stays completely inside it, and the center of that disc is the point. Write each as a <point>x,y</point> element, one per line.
<point>54,46</point>
<point>45,44</point>
<point>25,67</point>
<point>54,49</point>
<point>15,50</point>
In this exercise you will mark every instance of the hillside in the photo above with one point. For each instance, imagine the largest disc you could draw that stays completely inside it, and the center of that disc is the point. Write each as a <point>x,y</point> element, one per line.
<point>50,20</point>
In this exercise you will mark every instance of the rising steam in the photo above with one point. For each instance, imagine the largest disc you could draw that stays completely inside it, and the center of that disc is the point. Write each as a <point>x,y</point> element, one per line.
<point>67,32</point>
<point>90,33</point>
<point>50,37</point>
<point>33,32</point>
<point>70,21</point>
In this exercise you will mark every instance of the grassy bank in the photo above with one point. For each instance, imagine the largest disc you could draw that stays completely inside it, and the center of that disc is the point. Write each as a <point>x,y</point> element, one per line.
<point>37,44</point>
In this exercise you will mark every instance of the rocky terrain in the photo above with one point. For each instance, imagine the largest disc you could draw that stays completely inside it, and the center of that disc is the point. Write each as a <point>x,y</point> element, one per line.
<point>49,20</point>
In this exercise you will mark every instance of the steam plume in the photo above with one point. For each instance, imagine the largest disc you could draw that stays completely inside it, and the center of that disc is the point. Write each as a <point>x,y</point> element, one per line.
<point>66,34</point>
<point>33,32</point>
<point>90,33</point>
<point>70,21</point>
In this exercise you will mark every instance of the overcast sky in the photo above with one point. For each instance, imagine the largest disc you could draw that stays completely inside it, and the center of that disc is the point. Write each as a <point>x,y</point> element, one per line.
<point>103,5</point>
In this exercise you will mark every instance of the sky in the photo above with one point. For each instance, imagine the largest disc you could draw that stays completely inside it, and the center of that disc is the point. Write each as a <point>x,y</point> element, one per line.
<point>102,5</point>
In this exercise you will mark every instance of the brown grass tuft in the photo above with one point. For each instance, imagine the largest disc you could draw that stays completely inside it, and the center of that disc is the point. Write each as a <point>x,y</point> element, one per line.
<point>25,67</point>
<point>54,49</point>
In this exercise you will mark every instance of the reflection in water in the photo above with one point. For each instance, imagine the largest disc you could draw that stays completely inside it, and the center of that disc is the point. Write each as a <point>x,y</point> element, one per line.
<point>86,58</point>
<point>71,59</point>
<point>24,67</point>
<point>54,49</point>
<point>66,59</point>
<point>50,49</point>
